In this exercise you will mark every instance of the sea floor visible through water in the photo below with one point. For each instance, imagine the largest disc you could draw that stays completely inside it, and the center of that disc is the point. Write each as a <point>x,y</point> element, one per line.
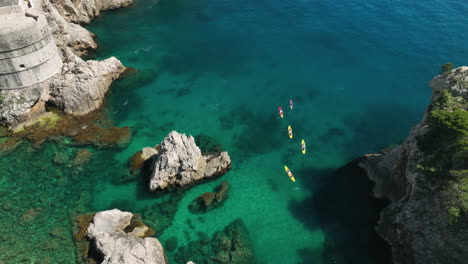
<point>357,73</point>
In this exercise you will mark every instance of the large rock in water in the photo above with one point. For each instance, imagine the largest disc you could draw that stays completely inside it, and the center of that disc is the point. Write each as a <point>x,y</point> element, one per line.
<point>180,162</point>
<point>119,247</point>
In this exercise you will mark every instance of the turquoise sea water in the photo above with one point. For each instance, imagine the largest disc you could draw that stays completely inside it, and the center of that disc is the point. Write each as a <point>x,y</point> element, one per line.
<point>357,72</point>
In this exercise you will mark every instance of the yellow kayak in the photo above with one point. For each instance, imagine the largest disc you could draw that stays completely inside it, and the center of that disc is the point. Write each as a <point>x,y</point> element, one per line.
<point>290,132</point>
<point>303,147</point>
<point>289,173</point>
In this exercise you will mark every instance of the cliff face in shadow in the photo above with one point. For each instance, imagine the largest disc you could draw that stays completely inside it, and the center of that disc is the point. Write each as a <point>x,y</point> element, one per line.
<point>426,180</point>
<point>343,207</point>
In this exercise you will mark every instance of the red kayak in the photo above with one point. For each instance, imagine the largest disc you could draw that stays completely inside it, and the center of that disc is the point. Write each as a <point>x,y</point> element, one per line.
<point>280,111</point>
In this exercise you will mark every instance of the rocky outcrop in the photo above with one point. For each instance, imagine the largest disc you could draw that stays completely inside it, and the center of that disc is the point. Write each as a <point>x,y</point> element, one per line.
<point>113,239</point>
<point>69,37</point>
<point>425,179</point>
<point>180,162</point>
<point>83,11</point>
<point>79,86</point>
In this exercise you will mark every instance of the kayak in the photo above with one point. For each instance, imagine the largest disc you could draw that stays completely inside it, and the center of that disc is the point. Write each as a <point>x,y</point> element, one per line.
<point>303,147</point>
<point>290,175</point>
<point>290,134</point>
<point>280,111</point>
<point>291,104</point>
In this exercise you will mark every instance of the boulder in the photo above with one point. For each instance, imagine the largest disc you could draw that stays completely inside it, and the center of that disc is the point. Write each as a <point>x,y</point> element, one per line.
<point>118,245</point>
<point>180,162</point>
<point>228,246</point>
<point>210,200</point>
<point>140,159</point>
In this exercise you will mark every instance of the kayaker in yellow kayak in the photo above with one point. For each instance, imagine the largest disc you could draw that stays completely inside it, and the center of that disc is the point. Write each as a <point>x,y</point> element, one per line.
<point>290,133</point>
<point>290,175</point>
<point>303,147</point>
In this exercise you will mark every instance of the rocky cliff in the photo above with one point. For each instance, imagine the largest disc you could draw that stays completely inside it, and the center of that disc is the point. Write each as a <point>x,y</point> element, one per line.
<point>79,86</point>
<point>426,180</point>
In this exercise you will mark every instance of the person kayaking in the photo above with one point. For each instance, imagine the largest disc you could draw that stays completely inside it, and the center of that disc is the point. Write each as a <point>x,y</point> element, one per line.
<point>280,111</point>
<point>303,147</point>
<point>291,105</point>
<point>290,133</point>
<point>290,175</point>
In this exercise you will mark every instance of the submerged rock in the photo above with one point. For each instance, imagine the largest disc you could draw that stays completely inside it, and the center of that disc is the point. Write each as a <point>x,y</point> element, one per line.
<point>208,145</point>
<point>180,162</point>
<point>138,166</point>
<point>94,128</point>
<point>160,215</point>
<point>117,244</point>
<point>210,200</point>
<point>82,157</point>
<point>141,158</point>
<point>231,245</point>
<point>171,244</point>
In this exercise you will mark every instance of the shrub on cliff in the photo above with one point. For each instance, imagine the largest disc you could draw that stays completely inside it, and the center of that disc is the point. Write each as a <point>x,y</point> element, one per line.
<point>447,67</point>
<point>445,147</point>
<point>455,121</point>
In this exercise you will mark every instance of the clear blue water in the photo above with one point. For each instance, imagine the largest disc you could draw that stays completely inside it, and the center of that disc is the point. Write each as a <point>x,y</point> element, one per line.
<point>356,70</point>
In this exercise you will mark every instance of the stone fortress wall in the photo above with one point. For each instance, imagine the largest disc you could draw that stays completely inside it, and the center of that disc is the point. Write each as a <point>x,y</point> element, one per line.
<point>28,54</point>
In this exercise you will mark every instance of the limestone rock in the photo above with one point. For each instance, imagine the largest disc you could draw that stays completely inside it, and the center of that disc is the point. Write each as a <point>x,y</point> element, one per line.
<point>118,247</point>
<point>109,221</point>
<point>69,37</point>
<point>148,152</point>
<point>218,165</point>
<point>16,105</point>
<point>81,86</point>
<point>180,162</point>
<point>83,11</point>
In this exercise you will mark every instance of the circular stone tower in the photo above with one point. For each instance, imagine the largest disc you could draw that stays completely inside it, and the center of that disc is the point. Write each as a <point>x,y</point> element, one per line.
<point>28,54</point>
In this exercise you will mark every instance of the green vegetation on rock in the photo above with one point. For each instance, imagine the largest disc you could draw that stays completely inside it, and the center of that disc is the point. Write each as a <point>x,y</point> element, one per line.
<point>447,67</point>
<point>445,147</point>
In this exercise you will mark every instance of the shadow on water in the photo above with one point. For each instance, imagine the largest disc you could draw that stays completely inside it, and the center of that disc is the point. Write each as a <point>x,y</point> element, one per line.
<point>374,129</point>
<point>122,93</point>
<point>347,213</point>
<point>251,138</point>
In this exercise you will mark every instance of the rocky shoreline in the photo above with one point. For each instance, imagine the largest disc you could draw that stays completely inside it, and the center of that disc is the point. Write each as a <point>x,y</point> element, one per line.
<point>79,86</point>
<point>425,179</point>
<point>426,222</point>
<point>67,106</point>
